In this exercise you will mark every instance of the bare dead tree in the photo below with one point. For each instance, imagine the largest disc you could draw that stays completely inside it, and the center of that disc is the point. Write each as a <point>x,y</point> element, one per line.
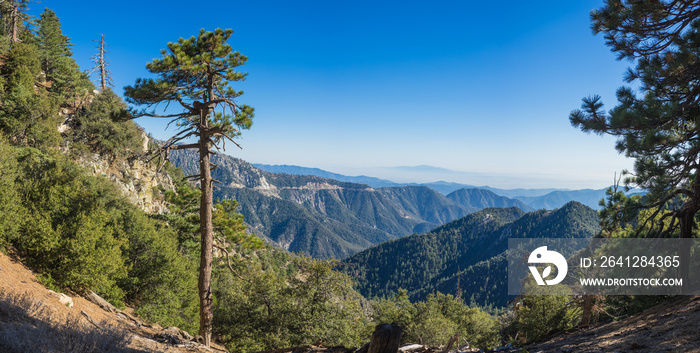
<point>101,62</point>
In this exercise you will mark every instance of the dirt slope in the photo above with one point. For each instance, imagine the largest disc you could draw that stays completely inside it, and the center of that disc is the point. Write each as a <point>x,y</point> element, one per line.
<point>668,327</point>
<point>19,284</point>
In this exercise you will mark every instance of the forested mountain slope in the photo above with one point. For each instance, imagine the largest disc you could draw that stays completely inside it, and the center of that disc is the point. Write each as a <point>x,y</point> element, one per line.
<point>469,250</point>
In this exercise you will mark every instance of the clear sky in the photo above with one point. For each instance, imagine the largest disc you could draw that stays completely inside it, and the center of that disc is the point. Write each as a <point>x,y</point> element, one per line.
<point>482,88</point>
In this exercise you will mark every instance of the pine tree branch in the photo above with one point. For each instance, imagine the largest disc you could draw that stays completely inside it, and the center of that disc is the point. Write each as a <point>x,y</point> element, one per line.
<point>183,147</point>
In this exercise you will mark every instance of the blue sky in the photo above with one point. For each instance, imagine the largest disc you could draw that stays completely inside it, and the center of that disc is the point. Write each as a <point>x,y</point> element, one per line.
<point>481,88</point>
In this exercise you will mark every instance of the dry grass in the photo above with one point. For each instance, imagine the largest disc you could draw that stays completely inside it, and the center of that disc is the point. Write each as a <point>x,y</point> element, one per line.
<point>26,325</point>
<point>33,320</point>
<point>668,327</point>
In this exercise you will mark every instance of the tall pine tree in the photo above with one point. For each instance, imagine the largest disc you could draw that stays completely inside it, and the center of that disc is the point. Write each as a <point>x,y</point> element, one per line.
<point>196,73</point>
<point>13,16</point>
<point>659,126</point>
<point>56,57</point>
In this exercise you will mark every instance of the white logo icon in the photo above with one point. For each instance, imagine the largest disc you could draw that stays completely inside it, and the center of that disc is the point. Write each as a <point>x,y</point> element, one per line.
<point>543,256</point>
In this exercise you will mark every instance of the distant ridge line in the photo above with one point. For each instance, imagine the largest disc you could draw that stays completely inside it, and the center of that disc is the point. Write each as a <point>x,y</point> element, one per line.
<point>548,198</point>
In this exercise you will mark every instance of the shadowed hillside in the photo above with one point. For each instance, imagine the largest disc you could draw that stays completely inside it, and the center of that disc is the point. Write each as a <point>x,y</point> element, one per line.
<point>470,250</point>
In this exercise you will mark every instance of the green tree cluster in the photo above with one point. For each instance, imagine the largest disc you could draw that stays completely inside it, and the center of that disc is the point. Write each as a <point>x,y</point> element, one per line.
<point>538,316</point>
<point>434,321</point>
<point>39,76</point>
<point>277,300</point>
<point>79,233</point>
<point>28,115</point>
<point>57,64</point>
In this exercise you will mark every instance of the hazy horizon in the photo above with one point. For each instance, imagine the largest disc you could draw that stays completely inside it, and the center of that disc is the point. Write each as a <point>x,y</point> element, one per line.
<point>402,174</point>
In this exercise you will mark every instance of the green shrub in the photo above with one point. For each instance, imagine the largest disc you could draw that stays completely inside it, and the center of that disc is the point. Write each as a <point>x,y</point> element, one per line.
<point>106,127</point>
<point>81,234</point>
<point>71,231</point>
<point>10,206</point>
<point>542,315</point>
<point>275,300</point>
<point>433,321</point>
<point>161,281</point>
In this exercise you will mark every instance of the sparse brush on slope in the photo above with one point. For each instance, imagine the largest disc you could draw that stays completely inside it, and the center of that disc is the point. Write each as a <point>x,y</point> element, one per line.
<point>27,326</point>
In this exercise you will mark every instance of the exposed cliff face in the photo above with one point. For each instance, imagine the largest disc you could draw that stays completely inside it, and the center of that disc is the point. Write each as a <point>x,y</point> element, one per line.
<point>139,182</point>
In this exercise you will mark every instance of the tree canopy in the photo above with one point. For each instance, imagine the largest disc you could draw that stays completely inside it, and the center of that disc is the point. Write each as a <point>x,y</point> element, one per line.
<point>196,73</point>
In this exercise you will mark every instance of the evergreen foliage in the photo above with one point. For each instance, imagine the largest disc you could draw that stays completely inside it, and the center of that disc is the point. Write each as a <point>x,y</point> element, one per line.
<point>105,127</point>
<point>54,46</point>
<point>542,315</point>
<point>13,16</point>
<point>62,73</point>
<point>80,233</point>
<point>435,320</point>
<point>10,205</point>
<point>277,300</point>
<point>657,126</point>
<point>28,113</point>
<point>67,235</point>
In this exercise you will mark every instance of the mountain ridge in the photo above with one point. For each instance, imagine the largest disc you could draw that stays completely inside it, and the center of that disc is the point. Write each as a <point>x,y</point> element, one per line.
<point>469,251</point>
<point>328,218</point>
<point>547,198</point>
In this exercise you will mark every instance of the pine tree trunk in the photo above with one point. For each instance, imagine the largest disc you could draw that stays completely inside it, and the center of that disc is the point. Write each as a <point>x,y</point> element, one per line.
<point>206,229</point>
<point>385,339</point>
<point>687,221</point>
<point>15,19</point>
<point>587,310</point>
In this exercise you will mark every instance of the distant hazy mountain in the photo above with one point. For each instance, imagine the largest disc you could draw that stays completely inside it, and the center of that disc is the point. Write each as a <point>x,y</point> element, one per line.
<point>442,187</point>
<point>469,251</point>
<point>513,193</point>
<point>533,198</point>
<point>556,199</point>
<point>479,199</point>
<point>296,170</point>
<point>424,168</point>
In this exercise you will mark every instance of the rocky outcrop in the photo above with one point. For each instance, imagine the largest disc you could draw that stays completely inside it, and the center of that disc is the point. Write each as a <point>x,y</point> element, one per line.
<point>139,182</point>
<point>62,298</point>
